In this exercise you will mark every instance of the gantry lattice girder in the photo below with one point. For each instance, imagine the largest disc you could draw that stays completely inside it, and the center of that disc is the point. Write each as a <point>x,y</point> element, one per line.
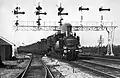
<point>56,28</point>
<point>76,26</point>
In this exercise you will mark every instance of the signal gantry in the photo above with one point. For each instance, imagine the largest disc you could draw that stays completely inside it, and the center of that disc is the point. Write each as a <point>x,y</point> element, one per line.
<point>110,32</point>
<point>76,25</point>
<point>60,13</point>
<point>38,13</point>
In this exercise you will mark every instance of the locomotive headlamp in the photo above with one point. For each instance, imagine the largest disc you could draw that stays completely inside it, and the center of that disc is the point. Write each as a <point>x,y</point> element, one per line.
<point>80,50</point>
<point>65,51</point>
<point>64,47</point>
<point>79,46</point>
<point>68,50</point>
<point>77,50</point>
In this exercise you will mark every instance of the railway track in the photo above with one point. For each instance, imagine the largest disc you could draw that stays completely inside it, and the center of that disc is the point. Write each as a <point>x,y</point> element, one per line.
<point>105,71</point>
<point>107,59</point>
<point>112,60</point>
<point>36,69</point>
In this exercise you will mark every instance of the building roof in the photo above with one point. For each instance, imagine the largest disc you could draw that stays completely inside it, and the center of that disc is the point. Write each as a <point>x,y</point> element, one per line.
<point>4,41</point>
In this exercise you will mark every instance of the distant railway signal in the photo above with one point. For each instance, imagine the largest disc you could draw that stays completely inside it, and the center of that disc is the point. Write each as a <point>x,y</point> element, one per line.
<point>38,22</point>
<point>16,23</point>
<point>60,21</point>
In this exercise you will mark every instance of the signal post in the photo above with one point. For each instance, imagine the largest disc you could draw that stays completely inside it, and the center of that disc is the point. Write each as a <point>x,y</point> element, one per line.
<point>60,13</point>
<point>38,13</point>
<point>110,32</point>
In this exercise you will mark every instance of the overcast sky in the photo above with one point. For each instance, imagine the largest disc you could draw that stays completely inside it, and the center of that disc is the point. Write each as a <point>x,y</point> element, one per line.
<point>7,18</point>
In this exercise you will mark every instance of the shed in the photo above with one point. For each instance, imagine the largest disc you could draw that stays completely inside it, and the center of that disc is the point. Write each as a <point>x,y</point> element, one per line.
<point>5,48</point>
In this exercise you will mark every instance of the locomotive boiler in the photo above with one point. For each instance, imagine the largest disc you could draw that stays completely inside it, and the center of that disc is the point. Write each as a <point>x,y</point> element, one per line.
<point>64,44</point>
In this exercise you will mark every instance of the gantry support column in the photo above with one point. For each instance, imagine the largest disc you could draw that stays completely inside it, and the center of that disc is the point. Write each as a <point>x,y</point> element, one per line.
<point>110,32</point>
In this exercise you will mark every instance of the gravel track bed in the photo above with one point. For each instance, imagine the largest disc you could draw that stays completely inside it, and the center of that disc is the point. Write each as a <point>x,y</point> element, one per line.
<point>65,70</point>
<point>10,73</point>
<point>36,69</point>
<point>14,71</point>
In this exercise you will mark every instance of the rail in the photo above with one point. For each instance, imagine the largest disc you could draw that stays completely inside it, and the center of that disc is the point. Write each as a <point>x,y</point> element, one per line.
<point>23,73</point>
<point>48,72</point>
<point>100,72</point>
<point>106,74</point>
<point>108,59</point>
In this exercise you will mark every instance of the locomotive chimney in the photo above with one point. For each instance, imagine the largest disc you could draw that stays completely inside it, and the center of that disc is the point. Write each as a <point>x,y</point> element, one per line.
<point>66,28</point>
<point>69,29</point>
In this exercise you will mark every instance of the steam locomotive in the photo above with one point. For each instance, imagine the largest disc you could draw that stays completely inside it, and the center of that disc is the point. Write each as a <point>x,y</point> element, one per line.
<point>63,44</point>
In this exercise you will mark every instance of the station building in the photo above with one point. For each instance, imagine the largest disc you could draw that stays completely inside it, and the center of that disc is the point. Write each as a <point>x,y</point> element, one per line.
<point>6,49</point>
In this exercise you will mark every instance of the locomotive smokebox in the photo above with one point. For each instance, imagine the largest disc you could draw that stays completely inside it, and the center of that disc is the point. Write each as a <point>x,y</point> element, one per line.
<point>66,28</point>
